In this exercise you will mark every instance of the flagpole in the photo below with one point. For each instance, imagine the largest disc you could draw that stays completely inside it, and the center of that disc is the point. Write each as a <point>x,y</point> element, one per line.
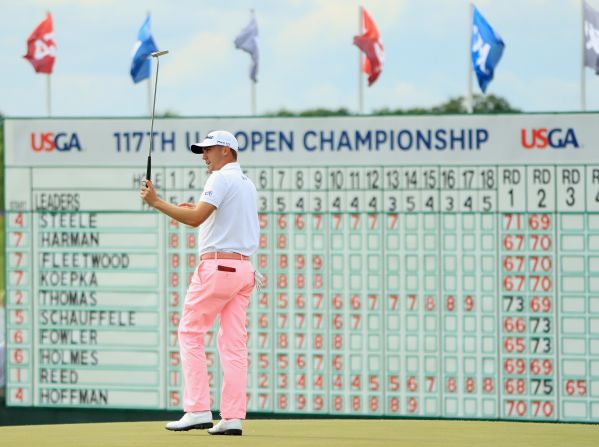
<point>48,87</point>
<point>360,63</point>
<point>583,92</point>
<point>469,100</point>
<point>150,85</point>
<point>253,97</point>
<point>48,95</point>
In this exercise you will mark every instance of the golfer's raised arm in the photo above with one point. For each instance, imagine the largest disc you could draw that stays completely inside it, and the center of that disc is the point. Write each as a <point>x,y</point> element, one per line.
<point>193,217</point>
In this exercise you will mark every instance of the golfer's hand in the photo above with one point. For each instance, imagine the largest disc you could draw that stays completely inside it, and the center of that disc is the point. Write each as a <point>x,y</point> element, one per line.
<point>148,193</point>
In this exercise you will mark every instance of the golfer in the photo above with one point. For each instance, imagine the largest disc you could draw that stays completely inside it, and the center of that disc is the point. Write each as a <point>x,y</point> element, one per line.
<point>227,218</point>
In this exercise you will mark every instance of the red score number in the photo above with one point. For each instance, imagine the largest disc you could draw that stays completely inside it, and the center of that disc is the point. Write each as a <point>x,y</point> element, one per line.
<point>263,221</point>
<point>535,221</point>
<point>540,283</point>
<point>576,387</point>
<point>318,403</point>
<point>515,386</point>
<point>538,408</point>
<point>514,283</point>
<point>17,336</point>
<point>18,220</point>
<point>541,263</point>
<point>513,242</point>
<point>514,366</point>
<point>513,263</point>
<point>514,324</point>
<point>512,221</point>
<point>541,367</point>
<point>539,222</point>
<point>540,242</point>
<point>541,304</point>
<point>514,344</point>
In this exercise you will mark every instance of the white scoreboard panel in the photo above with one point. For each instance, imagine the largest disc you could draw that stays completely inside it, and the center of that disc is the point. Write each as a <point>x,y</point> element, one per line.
<point>443,267</point>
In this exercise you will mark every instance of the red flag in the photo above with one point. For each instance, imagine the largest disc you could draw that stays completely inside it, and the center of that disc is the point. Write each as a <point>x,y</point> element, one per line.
<point>41,49</point>
<point>370,43</point>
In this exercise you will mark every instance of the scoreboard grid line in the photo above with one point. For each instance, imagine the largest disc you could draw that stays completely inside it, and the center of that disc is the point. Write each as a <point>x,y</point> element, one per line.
<point>33,320</point>
<point>558,300</point>
<point>499,301</point>
<point>440,288</point>
<point>384,316</point>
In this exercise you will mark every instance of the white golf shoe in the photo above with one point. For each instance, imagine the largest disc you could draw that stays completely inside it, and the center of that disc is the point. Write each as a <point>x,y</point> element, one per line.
<point>197,420</point>
<point>230,427</point>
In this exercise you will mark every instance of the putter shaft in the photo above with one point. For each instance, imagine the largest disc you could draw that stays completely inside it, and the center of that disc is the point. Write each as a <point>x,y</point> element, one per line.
<point>157,55</point>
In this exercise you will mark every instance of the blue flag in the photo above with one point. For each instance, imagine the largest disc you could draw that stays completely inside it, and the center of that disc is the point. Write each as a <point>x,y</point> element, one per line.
<point>140,65</point>
<point>487,48</point>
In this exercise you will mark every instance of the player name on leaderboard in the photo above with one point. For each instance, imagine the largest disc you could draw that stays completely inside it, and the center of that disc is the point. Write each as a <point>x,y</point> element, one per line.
<point>442,284</point>
<point>85,286</point>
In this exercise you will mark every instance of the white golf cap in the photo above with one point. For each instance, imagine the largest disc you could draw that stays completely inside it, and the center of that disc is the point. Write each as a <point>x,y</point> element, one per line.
<point>216,138</point>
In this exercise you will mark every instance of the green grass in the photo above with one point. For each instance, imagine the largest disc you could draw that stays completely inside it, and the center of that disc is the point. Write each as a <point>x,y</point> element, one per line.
<point>309,433</point>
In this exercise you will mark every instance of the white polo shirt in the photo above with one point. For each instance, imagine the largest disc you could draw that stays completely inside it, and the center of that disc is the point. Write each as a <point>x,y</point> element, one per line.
<point>233,227</point>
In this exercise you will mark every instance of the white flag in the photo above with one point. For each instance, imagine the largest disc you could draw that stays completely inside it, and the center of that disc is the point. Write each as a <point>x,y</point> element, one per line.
<point>247,40</point>
<point>591,38</point>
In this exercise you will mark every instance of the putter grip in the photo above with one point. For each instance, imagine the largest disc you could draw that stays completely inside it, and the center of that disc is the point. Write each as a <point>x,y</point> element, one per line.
<point>149,168</point>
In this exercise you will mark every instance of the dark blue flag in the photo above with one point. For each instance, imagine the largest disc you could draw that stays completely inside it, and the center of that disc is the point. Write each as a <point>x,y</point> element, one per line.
<point>487,48</point>
<point>140,65</point>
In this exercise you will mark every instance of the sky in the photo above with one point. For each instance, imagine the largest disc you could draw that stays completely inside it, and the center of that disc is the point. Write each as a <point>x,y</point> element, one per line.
<point>307,58</point>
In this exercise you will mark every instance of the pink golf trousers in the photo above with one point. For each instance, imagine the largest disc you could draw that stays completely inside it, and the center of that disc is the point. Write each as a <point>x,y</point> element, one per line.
<point>218,287</point>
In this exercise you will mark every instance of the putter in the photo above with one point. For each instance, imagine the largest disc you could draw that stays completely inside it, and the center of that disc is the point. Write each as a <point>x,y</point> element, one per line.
<point>157,55</point>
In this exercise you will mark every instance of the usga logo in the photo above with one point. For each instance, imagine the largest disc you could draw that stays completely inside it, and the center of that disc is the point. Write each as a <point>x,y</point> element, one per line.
<point>48,141</point>
<point>555,138</point>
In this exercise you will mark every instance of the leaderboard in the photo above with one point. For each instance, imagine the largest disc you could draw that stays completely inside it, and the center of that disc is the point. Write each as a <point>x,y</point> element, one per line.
<point>432,289</point>
<point>84,292</point>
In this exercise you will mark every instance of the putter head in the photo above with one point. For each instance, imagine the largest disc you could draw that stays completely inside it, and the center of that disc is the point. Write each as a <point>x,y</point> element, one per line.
<point>159,53</point>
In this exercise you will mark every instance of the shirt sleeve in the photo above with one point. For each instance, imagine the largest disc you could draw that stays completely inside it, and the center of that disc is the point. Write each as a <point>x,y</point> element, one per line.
<point>214,189</point>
